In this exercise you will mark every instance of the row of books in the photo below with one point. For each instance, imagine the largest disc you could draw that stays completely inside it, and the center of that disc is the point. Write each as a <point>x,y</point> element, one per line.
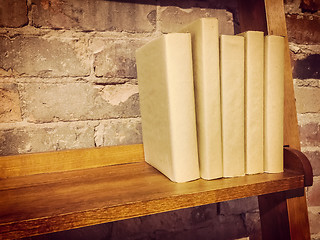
<point>212,106</point>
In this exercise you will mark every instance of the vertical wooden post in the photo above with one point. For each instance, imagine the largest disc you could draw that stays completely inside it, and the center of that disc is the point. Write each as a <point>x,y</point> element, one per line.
<point>274,216</point>
<point>289,209</point>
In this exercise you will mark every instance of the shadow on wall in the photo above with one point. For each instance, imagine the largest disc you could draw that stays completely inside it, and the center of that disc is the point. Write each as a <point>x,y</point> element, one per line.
<point>204,222</point>
<point>229,5</point>
<point>307,68</point>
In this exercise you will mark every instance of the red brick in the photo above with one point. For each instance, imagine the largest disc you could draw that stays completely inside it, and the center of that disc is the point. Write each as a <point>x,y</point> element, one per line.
<point>94,15</point>
<point>303,29</point>
<point>310,134</point>
<point>9,103</point>
<point>314,158</point>
<point>13,13</point>
<point>313,193</point>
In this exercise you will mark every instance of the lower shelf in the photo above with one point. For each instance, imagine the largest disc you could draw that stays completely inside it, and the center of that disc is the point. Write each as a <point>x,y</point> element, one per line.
<point>51,202</point>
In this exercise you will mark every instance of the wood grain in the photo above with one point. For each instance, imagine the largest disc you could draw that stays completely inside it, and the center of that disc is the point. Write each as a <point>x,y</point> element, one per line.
<point>29,164</point>
<point>274,216</point>
<point>298,215</point>
<point>296,160</point>
<point>252,15</point>
<point>53,202</point>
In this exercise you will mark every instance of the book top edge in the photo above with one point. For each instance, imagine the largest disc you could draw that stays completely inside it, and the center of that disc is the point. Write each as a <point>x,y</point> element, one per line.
<point>163,37</point>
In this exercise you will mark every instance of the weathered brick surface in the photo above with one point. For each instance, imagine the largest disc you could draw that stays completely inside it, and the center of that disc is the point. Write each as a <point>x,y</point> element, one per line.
<point>303,29</point>
<point>306,68</point>
<point>310,6</point>
<point>94,15</point>
<point>163,225</point>
<point>313,193</point>
<point>116,57</point>
<point>253,225</point>
<point>78,101</point>
<point>310,134</point>
<point>307,83</point>
<point>34,56</point>
<point>314,157</point>
<point>12,141</point>
<point>314,219</point>
<point>307,99</point>
<point>230,227</point>
<point>46,137</point>
<point>118,132</point>
<point>239,206</point>
<point>9,103</point>
<point>99,232</point>
<point>193,223</point>
<point>13,13</point>
<point>172,18</point>
<point>109,115</point>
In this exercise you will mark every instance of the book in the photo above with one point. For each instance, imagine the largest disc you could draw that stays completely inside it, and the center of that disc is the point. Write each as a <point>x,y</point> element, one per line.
<point>206,72</point>
<point>166,91</point>
<point>274,103</point>
<point>232,104</point>
<point>253,92</point>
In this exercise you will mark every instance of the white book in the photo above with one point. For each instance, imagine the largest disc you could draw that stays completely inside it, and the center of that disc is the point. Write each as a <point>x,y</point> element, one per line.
<point>254,92</point>
<point>166,91</point>
<point>232,102</point>
<point>274,103</point>
<point>205,54</point>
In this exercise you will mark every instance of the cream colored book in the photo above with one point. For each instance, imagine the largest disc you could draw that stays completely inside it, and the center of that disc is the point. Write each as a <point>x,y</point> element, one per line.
<point>205,54</point>
<point>253,109</point>
<point>232,102</point>
<point>166,91</point>
<point>274,103</point>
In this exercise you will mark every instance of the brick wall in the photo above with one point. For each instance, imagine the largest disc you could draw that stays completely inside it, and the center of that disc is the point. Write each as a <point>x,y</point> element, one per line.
<point>68,80</point>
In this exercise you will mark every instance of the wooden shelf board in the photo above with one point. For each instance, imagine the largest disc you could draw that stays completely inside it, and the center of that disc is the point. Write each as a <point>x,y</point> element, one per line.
<point>50,202</point>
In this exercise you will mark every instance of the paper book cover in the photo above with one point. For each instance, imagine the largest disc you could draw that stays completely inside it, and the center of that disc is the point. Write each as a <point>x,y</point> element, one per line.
<point>205,54</point>
<point>254,97</point>
<point>232,104</point>
<point>274,103</point>
<point>166,91</point>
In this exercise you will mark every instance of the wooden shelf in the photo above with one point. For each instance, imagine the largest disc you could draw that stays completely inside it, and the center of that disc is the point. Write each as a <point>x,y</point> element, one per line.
<point>49,202</point>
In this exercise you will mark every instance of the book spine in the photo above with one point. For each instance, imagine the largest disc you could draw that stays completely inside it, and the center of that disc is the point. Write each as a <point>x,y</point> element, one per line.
<point>232,102</point>
<point>274,103</point>
<point>254,91</point>
<point>205,54</point>
<point>182,107</point>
